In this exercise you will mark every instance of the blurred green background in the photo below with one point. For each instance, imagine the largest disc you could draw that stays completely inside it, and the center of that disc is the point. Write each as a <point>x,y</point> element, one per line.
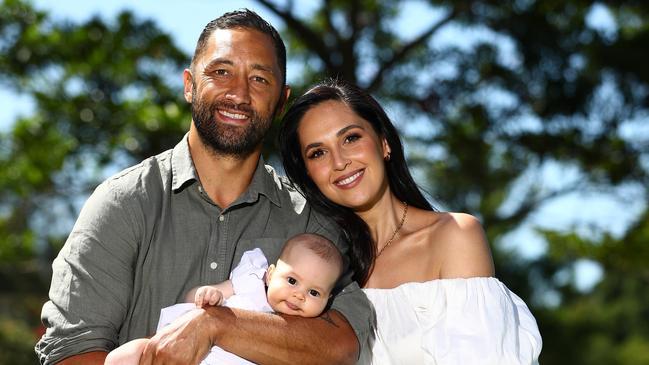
<point>532,115</point>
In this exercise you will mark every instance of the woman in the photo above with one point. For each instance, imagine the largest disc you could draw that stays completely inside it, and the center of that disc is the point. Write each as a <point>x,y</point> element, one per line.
<point>428,274</point>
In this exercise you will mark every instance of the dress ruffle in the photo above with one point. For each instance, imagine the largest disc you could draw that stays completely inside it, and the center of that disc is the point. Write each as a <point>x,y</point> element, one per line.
<point>452,321</point>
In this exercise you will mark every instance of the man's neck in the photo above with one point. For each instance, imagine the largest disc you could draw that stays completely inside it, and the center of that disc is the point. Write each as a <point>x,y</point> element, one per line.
<point>223,177</point>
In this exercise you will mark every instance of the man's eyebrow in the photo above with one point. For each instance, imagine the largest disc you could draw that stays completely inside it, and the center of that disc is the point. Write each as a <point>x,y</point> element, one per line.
<point>219,61</point>
<point>265,68</point>
<point>225,61</point>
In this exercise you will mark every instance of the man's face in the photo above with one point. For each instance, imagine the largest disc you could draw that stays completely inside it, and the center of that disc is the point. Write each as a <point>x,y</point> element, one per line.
<point>236,89</point>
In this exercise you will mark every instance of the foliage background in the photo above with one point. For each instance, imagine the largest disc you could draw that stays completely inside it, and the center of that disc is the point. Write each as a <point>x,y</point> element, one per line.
<point>540,103</point>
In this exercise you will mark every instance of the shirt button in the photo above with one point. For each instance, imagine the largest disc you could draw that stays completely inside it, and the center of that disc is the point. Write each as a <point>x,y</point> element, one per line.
<point>213,265</point>
<point>221,218</point>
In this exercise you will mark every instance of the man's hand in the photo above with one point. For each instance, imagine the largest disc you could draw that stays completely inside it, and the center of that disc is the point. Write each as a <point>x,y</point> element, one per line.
<point>185,341</point>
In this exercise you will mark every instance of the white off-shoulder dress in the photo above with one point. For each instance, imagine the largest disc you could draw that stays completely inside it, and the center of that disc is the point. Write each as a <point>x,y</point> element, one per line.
<point>452,321</point>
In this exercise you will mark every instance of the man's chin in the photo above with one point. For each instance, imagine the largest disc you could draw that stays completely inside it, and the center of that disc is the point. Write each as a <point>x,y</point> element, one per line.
<point>235,150</point>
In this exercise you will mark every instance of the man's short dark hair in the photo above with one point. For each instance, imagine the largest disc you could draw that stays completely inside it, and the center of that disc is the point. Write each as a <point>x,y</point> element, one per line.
<point>244,18</point>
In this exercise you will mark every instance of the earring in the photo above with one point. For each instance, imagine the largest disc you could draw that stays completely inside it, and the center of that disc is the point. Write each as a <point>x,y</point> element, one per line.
<point>387,157</point>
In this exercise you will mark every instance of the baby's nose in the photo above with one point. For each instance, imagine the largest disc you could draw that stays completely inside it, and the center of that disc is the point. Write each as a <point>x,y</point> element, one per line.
<point>298,294</point>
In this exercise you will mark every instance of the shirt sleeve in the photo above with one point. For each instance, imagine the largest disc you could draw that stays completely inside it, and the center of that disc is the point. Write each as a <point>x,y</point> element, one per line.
<point>92,279</point>
<point>351,302</point>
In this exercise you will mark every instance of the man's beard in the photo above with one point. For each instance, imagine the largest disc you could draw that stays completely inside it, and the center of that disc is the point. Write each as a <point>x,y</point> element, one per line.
<point>235,141</point>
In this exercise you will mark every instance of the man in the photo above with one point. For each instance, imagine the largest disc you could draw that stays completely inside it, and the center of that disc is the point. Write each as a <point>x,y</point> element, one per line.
<point>180,219</point>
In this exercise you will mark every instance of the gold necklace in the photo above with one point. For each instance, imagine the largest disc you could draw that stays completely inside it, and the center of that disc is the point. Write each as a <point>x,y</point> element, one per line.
<point>394,234</point>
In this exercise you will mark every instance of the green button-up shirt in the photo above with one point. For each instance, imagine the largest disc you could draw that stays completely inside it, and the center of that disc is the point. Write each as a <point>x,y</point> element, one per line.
<point>150,233</point>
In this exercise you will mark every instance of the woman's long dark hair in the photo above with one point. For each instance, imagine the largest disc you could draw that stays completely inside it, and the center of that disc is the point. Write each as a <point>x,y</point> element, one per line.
<point>402,185</point>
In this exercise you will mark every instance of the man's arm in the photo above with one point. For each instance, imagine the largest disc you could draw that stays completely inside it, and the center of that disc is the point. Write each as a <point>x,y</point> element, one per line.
<point>89,358</point>
<point>259,337</point>
<point>91,282</point>
<point>327,339</point>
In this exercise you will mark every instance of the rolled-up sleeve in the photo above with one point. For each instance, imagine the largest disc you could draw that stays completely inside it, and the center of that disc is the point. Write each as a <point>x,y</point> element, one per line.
<point>92,279</point>
<point>353,304</point>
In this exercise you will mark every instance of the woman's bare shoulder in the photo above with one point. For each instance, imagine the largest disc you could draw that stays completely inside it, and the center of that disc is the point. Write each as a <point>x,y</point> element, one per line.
<point>455,226</point>
<point>461,241</point>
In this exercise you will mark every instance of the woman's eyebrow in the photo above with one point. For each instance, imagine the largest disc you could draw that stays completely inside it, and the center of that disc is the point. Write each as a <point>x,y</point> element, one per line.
<point>338,134</point>
<point>351,126</point>
<point>312,145</point>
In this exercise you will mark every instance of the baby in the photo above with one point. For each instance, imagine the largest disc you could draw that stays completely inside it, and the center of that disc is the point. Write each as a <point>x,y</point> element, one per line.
<point>299,284</point>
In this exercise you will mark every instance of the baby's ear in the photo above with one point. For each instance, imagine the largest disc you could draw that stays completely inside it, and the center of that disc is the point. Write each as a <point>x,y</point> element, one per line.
<point>269,273</point>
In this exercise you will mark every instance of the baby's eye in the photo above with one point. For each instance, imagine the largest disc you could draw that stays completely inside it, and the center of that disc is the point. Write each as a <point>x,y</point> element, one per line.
<point>291,280</point>
<point>314,293</point>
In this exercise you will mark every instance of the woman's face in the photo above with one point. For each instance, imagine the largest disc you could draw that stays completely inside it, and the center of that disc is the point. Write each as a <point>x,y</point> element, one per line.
<point>343,155</point>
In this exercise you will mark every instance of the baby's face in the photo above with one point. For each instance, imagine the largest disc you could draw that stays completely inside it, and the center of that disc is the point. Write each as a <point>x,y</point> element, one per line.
<point>301,284</point>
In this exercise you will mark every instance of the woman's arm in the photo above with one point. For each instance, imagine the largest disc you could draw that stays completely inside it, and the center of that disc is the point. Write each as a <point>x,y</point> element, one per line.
<point>466,250</point>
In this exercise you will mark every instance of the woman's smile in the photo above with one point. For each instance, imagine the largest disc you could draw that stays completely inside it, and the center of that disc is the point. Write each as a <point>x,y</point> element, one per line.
<point>350,180</point>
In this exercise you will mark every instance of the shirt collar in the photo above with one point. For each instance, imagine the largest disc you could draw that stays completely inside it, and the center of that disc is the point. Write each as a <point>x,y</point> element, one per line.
<point>265,180</point>
<point>182,166</point>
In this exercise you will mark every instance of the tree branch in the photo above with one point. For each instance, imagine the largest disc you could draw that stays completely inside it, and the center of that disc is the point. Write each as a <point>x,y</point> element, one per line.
<point>531,204</point>
<point>305,33</point>
<point>350,61</point>
<point>406,49</point>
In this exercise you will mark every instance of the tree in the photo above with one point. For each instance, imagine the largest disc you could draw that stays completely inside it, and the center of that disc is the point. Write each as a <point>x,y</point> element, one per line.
<point>103,98</point>
<point>539,86</point>
<point>606,324</point>
<point>536,85</point>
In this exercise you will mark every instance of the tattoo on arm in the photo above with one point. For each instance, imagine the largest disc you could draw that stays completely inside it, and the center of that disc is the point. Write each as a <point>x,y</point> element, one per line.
<point>327,317</point>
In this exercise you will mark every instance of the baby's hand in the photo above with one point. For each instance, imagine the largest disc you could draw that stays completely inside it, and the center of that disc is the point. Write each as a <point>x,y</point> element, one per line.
<point>208,295</point>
